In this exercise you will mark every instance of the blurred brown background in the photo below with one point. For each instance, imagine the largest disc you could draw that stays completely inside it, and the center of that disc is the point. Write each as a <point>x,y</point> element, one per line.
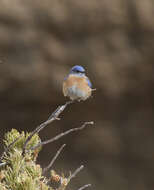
<point>114,40</point>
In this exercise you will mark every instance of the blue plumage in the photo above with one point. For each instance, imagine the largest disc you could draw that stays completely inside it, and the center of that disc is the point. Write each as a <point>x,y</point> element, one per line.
<point>77,69</point>
<point>89,83</point>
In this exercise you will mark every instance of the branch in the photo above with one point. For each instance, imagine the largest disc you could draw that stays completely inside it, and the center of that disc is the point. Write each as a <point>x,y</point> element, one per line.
<point>62,134</point>
<point>76,172</point>
<point>54,158</point>
<point>85,186</point>
<point>65,181</point>
<point>52,117</point>
<point>2,164</point>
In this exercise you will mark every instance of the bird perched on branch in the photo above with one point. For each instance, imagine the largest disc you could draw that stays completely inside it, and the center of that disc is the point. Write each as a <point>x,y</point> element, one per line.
<point>76,85</point>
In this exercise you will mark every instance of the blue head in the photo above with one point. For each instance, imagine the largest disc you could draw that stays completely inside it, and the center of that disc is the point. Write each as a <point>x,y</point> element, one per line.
<point>77,69</point>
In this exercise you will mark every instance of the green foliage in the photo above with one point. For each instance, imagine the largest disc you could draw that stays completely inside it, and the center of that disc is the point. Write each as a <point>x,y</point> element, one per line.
<point>21,172</point>
<point>14,134</point>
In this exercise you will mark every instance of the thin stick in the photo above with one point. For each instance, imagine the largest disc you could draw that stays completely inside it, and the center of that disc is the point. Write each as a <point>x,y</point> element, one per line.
<point>2,164</point>
<point>54,158</point>
<point>66,181</point>
<point>85,186</point>
<point>59,110</point>
<point>76,172</point>
<point>62,134</point>
<point>53,116</point>
<point>9,146</point>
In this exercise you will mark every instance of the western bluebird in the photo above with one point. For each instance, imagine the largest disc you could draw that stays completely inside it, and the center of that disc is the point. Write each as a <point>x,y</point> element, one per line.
<point>76,85</point>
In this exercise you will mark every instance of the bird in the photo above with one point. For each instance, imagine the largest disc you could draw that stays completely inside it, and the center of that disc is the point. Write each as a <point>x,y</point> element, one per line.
<point>77,85</point>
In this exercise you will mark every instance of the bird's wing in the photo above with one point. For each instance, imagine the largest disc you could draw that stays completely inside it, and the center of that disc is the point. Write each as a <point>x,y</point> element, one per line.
<point>89,83</point>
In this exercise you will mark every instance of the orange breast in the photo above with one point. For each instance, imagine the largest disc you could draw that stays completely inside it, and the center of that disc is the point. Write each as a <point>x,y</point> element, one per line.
<point>80,85</point>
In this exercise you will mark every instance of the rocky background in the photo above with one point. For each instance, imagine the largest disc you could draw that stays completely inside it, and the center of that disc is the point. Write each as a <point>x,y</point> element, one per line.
<point>114,40</point>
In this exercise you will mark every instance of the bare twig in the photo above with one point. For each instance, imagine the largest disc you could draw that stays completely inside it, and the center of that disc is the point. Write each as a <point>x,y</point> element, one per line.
<point>85,186</point>
<point>65,181</point>
<point>76,172</point>
<point>2,164</point>
<point>54,158</point>
<point>9,146</point>
<point>53,116</point>
<point>59,110</point>
<point>62,134</point>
